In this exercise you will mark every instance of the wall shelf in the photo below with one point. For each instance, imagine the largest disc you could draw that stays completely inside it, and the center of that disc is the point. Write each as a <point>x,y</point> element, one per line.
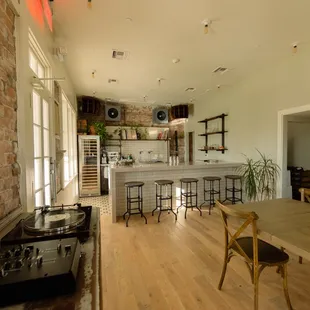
<point>218,150</point>
<point>213,118</point>
<point>213,133</point>
<point>221,132</point>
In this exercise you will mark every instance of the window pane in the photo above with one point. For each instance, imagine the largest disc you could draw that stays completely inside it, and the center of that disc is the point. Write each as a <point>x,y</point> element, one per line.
<point>46,142</point>
<point>39,199</point>
<point>45,114</point>
<point>33,62</point>
<point>40,72</point>
<point>46,171</point>
<point>36,103</point>
<point>47,192</point>
<point>38,174</point>
<point>37,141</point>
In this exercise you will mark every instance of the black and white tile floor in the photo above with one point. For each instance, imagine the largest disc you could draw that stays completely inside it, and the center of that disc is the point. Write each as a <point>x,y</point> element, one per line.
<point>101,202</point>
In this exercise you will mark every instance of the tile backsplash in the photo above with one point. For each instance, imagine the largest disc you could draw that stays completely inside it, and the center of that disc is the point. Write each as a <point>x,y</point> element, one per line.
<point>151,150</point>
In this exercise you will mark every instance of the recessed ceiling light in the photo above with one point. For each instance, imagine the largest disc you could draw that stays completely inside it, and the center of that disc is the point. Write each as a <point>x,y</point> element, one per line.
<point>176,60</point>
<point>128,19</point>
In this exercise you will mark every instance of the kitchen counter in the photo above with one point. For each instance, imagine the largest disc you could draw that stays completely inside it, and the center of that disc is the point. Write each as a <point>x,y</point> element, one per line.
<point>148,173</point>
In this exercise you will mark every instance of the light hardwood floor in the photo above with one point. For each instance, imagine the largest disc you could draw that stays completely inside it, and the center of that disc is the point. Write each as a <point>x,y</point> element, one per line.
<point>177,266</point>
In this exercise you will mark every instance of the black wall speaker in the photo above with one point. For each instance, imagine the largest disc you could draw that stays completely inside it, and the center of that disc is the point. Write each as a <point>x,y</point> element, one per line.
<point>160,116</point>
<point>179,111</point>
<point>112,113</point>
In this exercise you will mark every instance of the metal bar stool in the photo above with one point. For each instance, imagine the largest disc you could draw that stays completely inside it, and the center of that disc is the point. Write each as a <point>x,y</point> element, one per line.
<point>162,196</point>
<point>233,190</point>
<point>211,191</point>
<point>136,199</point>
<point>189,194</point>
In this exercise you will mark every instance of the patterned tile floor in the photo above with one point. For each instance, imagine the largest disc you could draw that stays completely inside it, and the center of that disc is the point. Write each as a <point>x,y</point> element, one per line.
<point>101,202</point>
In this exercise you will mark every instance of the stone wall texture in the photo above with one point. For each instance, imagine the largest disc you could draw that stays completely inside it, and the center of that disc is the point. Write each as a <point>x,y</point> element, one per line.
<point>143,116</point>
<point>9,180</point>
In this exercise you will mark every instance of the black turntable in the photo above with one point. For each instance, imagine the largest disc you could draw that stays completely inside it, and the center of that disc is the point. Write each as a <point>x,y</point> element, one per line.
<point>49,223</point>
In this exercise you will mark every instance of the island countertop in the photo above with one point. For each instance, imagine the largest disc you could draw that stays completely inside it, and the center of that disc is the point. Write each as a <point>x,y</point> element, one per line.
<point>148,173</point>
<point>167,167</point>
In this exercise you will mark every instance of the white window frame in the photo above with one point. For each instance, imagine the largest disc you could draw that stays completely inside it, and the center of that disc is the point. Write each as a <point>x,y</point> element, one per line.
<point>69,140</point>
<point>41,69</point>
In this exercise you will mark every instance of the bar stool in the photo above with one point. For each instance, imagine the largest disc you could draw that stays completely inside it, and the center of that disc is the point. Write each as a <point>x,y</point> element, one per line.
<point>211,191</point>
<point>162,196</point>
<point>233,189</point>
<point>189,194</point>
<point>136,199</point>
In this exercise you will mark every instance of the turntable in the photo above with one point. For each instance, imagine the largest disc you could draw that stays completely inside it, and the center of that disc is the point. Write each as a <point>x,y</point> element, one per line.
<point>48,223</point>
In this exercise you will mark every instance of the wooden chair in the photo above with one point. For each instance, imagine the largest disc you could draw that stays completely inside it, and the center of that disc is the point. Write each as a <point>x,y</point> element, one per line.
<point>305,195</point>
<point>257,254</point>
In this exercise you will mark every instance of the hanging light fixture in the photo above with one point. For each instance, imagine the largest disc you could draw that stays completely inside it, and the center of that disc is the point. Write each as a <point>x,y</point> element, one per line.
<point>89,4</point>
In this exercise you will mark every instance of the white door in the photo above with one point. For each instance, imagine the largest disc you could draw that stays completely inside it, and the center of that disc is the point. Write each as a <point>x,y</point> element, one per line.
<point>42,155</point>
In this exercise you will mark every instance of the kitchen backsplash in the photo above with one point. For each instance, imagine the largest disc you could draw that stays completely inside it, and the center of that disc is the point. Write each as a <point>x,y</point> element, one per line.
<point>150,150</point>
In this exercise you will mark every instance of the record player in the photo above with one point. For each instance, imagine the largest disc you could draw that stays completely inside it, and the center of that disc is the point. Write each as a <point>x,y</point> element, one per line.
<point>49,223</point>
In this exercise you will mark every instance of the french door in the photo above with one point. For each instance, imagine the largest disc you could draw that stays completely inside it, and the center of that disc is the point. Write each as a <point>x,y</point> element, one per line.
<point>42,154</point>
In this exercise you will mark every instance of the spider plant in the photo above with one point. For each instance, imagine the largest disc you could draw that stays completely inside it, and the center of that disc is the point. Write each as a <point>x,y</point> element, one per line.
<point>259,177</point>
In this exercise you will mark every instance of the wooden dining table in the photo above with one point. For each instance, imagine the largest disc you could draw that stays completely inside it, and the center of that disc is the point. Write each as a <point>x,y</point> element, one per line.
<point>283,222</point>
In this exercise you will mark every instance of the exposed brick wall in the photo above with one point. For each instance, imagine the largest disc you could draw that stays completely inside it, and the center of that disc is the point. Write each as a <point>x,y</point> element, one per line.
<point>142,115</point>
<point>9,180</point>
<point>177,125</point>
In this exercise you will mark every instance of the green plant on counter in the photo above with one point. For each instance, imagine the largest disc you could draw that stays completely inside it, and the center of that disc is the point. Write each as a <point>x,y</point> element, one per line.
<point>259,177</point>
<point>101,130</point>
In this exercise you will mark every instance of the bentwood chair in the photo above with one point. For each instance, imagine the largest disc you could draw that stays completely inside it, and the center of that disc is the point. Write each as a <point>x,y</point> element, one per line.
<point>305,196</point>
<point>257,254</point>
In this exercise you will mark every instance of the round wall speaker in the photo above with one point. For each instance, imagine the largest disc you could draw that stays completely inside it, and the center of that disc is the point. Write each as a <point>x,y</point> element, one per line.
<point>160,116</point>
<point>112,113</point>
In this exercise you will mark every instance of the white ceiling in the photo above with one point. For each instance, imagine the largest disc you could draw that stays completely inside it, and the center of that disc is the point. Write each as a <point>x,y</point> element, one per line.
<point>244,36</point>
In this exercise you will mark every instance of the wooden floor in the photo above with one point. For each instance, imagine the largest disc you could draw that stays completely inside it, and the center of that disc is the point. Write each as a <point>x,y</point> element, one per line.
<point>177,265</point>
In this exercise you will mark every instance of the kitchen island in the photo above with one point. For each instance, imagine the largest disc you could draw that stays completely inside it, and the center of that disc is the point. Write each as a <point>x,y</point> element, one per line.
<point>151,172</point>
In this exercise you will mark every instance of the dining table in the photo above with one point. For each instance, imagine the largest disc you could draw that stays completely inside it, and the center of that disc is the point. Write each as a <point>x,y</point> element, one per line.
<point>283,222</point>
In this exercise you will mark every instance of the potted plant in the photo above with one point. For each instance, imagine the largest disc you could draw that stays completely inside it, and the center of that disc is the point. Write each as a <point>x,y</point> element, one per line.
<point>101,130</point>
<point>259,177</point>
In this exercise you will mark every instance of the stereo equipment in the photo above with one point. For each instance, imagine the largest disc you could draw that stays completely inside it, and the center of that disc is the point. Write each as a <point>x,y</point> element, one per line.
<point>47,223</point>
<point>38,270</point>
<point>113,113</point>
<point>160,116</point>
<point>179,111</point>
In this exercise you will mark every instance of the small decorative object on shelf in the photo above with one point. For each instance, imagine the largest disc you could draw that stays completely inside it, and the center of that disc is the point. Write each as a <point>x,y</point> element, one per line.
<point>214,130</point>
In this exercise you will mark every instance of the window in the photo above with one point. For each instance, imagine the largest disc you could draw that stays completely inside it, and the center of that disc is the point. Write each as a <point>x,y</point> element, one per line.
<point>69,140</point>
<point>38,62</point>
<point>41,126</point>
<point>41,139</point>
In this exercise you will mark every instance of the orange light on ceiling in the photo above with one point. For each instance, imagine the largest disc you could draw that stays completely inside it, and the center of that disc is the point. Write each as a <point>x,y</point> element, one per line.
<point>48,14</point>
<point>89,4</point>
<point>36,11</point>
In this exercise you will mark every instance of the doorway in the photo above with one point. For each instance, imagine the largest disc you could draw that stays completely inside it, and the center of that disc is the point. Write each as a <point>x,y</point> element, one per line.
<point>190,147</point>
<point>284,189</point>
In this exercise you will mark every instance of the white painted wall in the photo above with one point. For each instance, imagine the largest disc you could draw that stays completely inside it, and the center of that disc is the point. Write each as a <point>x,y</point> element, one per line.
<point>25,137</point>
<point>298,150</point>
<point>252,106</point>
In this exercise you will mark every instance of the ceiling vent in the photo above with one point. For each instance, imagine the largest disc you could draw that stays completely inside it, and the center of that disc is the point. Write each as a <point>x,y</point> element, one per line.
<point>112,81</point>
<point>220,70</point>
<point>190,89</point>
<point>120,55</point>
